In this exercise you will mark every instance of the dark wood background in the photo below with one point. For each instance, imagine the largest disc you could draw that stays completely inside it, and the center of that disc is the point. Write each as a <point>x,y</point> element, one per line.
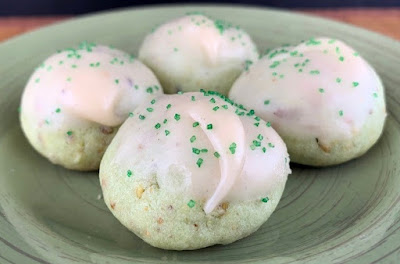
<point>57,7</point>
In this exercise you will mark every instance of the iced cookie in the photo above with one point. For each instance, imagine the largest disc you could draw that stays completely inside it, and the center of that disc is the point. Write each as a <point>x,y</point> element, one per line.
<point>194,52</point>
<point>321,96</point>
<point>75,101</point>
<point>193,170</point>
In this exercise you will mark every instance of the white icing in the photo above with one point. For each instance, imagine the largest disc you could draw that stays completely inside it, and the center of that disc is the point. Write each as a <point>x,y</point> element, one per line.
<point>99,86</point>
<point>193,52</point>
<point>349,89</point>
<point>245,174</point>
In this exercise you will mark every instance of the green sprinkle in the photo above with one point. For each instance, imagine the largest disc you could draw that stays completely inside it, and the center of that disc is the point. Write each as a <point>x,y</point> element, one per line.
<point>47,122</point>
<point>142,117</point>
<point>196,151</point>
<point>252,147</point>
<point>251,112</point>
<point>356,54</point>
<point>256,124</point>
<point>355,84</point>
<point>116,81</point>
<point>216,154</point>
<point>215,108</point>
<point>209,126</point>
<point>165,121</point>
<point>341,58</point>
<point>168,106</point>
<point>69,133</point>
<point>180,92</point>
<point>60,62</point>
<point>341,112</point>
<point>149,109</point>
<point>74,66</point>
<point>247,64</point>
<point>256,143</point>
<point>149,90</point>
<point>274,64</point>
<point>37,80</point>
<point>265,200</point>
<point>204,150</point>
<point>314,72</point>
<point>337,50</point>
<point>312,41</point>
<point>193,98</point>
<point>130,114</point>
<point>221,25</point>
<point>175,49</point>
<point>167,132</point>
<point>257,118</point>
<point>232,148</point>
<point>177,117</point>
<point>260,137</point>
<point>129,173</point>
<point>321,90</point>
<point>153,101</point>
<point>157,126</point>
<point>268,124</point>
<point>266,102</point>
<point>332,41</point>
<point>212,100</point>
<point>199,162</point>
<point>136,86</point>
<point>338,80</point>
<point>271,145</point>
<point>375,95</point>
<point>58,110</point>
<point>195,124</point>
<point>193,139</point>
<point>191,203</point>
<point>225,106</point>
<point>264,149</point>
<point>274,73</point>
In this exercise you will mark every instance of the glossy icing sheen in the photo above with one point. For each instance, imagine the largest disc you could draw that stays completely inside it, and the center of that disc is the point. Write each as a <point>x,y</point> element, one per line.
<point>215,160</point>
<point>94,83</point>
<point>322,88</point>
<point>196,46</point>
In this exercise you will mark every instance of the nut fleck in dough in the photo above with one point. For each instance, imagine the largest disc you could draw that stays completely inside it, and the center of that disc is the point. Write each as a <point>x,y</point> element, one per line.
<point>75,101</point>
<point>321,96</point>
<point>193,170</point>
<point>194,52</point>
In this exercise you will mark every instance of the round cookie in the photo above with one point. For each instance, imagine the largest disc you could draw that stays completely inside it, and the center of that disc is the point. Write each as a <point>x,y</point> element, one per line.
<point>322,97</point>
<point>194,52</point>
<point>193,170</point>
<point>75,101</point>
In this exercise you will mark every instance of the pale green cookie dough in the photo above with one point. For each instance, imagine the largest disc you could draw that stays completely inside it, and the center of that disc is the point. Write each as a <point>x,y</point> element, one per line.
<point>321,96</point>
<point>75,101</point>
<point>194,52</point>
<point>193,170</point>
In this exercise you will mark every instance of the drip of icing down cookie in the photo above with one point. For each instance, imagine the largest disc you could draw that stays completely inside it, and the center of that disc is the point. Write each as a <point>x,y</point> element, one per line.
<point>228,139</point>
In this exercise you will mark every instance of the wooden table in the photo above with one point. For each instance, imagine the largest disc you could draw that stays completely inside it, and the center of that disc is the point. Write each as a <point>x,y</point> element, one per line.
<point>384,21</point>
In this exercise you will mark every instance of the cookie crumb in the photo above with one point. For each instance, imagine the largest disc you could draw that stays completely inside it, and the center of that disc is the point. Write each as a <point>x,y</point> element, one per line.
<point>139,192</point>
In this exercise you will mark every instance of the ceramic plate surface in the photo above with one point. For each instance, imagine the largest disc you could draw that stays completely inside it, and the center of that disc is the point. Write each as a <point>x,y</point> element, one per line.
<point>346,213</point>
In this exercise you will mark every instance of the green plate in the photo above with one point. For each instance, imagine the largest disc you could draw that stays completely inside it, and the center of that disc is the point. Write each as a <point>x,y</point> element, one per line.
<point>346,213</point>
